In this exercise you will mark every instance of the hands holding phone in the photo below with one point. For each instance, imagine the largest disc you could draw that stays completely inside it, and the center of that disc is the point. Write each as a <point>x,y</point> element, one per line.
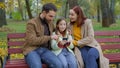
<point>64,42</point>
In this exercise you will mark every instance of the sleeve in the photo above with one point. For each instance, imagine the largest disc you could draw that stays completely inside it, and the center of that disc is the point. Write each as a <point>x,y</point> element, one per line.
<point>71,46</point>
<point>54,43</point>
<point>89,32</point>
<point>31,37</point>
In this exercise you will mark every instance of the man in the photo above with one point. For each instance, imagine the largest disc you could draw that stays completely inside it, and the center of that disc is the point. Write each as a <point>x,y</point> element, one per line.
<point>38,36</point>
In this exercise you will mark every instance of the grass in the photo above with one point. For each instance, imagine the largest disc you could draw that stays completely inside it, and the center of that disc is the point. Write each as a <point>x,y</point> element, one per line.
<point>20,26</point>
<point>13,26</point>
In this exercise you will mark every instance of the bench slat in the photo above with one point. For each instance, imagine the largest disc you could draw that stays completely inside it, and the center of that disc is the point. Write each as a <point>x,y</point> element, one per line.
<point>110,46</point>
<point>115,57</point>
<point>16,35</point>
<point>14,50</point>
<point>102,40</point>
<point>107,33</point>
<point>15,43</point>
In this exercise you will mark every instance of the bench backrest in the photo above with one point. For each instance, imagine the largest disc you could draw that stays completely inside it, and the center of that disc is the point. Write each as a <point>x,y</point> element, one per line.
<point>109,38</point>
<point>15,42</point>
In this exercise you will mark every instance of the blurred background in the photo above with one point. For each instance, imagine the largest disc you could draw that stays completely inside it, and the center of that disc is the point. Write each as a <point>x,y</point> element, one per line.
<point>14,14</point>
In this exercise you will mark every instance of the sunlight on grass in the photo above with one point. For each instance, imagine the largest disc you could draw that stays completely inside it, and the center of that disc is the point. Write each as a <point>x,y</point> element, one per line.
<point>98,26</point>
<point>19,26</point>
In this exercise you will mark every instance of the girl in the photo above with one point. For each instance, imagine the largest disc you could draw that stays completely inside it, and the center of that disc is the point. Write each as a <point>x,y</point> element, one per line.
<point>62,46</point>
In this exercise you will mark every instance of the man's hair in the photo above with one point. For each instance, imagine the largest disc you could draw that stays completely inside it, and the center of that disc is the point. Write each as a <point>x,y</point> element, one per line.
<point>49,6</point>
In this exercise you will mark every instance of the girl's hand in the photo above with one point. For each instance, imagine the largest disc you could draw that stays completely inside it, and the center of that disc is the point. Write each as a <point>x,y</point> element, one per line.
<point>63,42</point>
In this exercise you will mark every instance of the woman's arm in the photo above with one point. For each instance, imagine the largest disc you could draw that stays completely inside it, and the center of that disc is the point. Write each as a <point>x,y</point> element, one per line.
<point>88,32</point>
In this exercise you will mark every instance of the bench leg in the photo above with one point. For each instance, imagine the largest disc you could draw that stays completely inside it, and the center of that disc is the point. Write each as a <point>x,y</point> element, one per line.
<point>1,62</point>
<point>117,65</point>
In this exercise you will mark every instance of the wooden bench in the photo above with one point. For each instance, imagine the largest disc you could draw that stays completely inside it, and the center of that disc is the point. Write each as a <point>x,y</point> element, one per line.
<point>110,40</point>
<point>15,43</point>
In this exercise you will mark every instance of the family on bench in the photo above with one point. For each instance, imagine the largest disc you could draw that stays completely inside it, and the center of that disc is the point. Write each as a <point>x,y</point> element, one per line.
<point>64,45</point>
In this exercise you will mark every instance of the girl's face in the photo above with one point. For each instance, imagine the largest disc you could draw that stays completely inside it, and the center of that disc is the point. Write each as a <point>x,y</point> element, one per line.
<point>72,16</point>
<point>62,25</point>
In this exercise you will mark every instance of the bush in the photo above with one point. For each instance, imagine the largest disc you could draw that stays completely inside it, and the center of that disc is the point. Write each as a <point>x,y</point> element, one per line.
<point>16,16</point>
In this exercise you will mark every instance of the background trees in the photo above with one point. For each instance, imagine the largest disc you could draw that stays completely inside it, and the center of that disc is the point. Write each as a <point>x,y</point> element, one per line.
<point>2,13</point>
<point>104,11</point>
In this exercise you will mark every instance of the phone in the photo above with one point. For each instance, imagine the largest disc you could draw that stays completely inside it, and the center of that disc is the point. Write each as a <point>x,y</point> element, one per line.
<point>65,38</point>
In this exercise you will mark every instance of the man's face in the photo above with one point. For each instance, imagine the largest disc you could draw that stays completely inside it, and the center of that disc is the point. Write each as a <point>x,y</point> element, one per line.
<point>50,15</point>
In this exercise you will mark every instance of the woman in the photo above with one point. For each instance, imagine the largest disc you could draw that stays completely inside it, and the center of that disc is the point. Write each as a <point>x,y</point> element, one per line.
<point>62,47</point>
<point>83,35</point>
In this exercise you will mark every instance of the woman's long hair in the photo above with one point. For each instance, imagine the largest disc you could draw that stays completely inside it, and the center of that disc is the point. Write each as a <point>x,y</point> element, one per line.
<point>80,16</point>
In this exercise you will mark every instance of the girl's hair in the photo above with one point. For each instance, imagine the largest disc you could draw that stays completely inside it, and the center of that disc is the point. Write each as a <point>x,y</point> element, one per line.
<point>80,16</point>
<point>57,27</point>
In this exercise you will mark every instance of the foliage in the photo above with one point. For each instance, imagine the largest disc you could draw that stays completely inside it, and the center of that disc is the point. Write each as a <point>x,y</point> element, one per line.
<point>3,52</point>
<point>16,16</point>
<point>2,5</point>
<point>117,6</point>
<point>6,29</point>
<point>10,6</point>
<point>58,3</point>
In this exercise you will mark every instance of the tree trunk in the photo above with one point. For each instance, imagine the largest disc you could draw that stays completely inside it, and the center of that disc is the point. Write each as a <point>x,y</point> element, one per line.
<point>66,7</point>
<point>112,15</point>
<point>20,9</point>
<point>2,16</point>
<point>98,13</point>
<point>72,3</point>
<point>105,13</point>
<point>28,9</point>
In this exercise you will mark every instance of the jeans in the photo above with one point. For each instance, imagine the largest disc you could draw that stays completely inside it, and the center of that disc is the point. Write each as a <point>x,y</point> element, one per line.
<point>90,56</point>
<point>35,57</point>
<point>68,59</point>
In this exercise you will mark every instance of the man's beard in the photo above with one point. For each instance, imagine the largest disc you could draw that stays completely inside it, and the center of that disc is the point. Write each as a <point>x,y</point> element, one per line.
<point>47,21</point>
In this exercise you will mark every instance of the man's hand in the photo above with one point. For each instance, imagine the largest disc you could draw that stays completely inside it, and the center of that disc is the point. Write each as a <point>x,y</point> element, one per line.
<point>55,37</point>
<point>63,42</point>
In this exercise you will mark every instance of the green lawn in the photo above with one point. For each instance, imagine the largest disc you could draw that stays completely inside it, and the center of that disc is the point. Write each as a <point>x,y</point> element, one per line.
<point>98,26</point>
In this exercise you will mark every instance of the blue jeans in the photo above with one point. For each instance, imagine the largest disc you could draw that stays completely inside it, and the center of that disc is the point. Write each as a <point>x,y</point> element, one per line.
<point>68,59</point>
<point>35,57</point>
<point>90,56</point>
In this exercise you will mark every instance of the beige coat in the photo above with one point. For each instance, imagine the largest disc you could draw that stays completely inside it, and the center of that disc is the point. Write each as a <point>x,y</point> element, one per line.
<point>88,39</point>
<point>35,35</point>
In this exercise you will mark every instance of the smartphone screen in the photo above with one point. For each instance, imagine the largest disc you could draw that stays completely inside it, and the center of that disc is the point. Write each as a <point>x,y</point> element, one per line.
<point>65,38</point>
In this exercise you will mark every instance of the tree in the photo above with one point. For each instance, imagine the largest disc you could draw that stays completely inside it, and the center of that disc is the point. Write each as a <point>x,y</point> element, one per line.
<point>10,8</point>
<point>105,13</point>
<point>2,13</point>
<point>72,3</point>
<point>107,9</point>
<point>112,11</point>
<point>28,9</point>
<point>20,8</point>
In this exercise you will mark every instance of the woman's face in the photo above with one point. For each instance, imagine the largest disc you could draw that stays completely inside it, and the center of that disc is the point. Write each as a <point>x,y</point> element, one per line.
<point>62,26</point>
<point>72,16</point>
